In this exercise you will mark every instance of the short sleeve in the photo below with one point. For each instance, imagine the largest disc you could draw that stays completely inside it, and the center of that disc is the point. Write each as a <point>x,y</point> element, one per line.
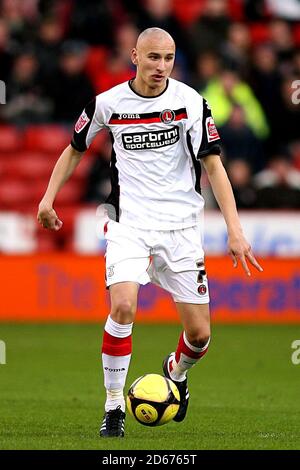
<point>203,133</point>
<point>89,123</point>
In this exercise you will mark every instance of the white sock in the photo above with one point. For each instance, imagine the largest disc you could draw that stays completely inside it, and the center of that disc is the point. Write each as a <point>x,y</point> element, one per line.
<point>114,398</point>
<point>117,338</point>
<point>115,370</point>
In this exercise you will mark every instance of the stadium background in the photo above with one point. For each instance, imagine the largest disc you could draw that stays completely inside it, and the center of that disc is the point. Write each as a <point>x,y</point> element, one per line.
<point>243,56</point>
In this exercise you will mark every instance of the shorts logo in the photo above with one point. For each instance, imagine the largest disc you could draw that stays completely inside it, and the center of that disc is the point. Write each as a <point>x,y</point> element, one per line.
<point>150,140</point>
<point>110,271</point>
<point>202,289</point>
<point>82,122</point>
<point>167,116</point>
<point>211,130</point>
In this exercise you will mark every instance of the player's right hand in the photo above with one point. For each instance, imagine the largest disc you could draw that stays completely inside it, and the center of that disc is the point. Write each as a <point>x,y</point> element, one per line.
<point>47,217</point>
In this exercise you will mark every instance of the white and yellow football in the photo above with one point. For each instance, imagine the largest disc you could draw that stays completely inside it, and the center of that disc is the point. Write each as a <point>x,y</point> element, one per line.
<point>153,400</point>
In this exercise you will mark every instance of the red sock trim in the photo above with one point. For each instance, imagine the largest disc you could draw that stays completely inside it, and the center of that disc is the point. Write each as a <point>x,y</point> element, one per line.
<point>183,348</point>
<point>114,346</point>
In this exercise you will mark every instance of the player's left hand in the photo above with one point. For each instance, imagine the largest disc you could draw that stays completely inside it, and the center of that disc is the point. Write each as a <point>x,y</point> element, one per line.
<point>240,250</point>
<point>48,218</point>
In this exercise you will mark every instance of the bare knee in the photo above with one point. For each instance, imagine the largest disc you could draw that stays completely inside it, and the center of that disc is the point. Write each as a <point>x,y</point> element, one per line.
<point>123,311</point>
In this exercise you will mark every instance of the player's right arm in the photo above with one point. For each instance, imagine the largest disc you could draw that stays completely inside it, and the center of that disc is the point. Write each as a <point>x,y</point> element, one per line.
<point>90,122</point>
<point>62,171</point>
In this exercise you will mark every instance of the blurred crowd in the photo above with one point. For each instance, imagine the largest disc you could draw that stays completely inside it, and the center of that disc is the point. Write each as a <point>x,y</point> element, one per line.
<point>242,55</point>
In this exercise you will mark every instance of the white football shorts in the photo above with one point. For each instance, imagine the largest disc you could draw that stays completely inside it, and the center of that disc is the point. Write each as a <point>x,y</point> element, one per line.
<point>173,260</point>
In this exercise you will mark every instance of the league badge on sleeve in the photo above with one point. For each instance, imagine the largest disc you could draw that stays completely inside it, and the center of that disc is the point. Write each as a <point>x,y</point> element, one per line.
<point>211,130</point>
<point>82,122</point>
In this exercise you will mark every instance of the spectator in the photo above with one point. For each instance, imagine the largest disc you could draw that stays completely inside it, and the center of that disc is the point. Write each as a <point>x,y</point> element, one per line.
<point>286,121</point>
<point>240,175</point>
<point>266,82</point>
<point>160,14</point>
<point>282,39</point>
<point>119,65</point>
<point>223,92</point>
<point>19,16</point>
<point>26,100</point>
<point>48,45</point>
<point>126,37</point>
<point>254,9</point>
<point>210,30</point>
<point>235,51</point>
<point>239,141</point>
<point>296,63</point>
<point>71,88</point>
<point>289,9</point>
<point>295,154</point>
<point>91,21</point>
<point>98,185</point>
<point>207,67</point>
<point>278,186</point>
<point>6,51</point>
<point>117,71</point>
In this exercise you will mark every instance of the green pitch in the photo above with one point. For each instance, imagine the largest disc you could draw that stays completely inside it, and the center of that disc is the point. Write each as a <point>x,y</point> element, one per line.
<point>245,393</point>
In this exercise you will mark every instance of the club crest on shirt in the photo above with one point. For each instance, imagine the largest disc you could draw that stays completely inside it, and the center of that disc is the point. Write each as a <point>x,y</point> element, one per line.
<point>82,122</point>
<point>167,116</point>
<point>211,130</point>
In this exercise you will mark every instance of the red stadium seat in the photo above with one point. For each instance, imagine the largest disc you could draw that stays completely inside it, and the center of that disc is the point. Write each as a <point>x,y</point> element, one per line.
<point>14,194</point>
<point>49,138</point>
<point>96,61</point>
<point>106,79</point>
<point>29,166</point>
<point>46,242</point>
<point>37,190</point>
<point>67,214</point>
<point>259,33</point>
<point>235,8</point>
<point>296,34</point>
<point>70,194</point>
<point>63,238</point>
<point>2,169</point>
<point>97,143</point>
<point>83,168</point>
<point>10,139</point>
<point>51,240</point>
<point>188,12</point>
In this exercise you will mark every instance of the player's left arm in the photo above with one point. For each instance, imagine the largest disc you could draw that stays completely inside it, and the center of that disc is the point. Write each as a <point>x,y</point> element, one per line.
<point>238,247</point>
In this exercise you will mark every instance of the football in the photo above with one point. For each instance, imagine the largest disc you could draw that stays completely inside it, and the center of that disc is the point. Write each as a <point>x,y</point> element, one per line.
<point>153,400</point>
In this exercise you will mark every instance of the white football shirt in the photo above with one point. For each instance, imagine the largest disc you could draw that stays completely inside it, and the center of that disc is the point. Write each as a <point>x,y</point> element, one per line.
<point>157,146</point>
